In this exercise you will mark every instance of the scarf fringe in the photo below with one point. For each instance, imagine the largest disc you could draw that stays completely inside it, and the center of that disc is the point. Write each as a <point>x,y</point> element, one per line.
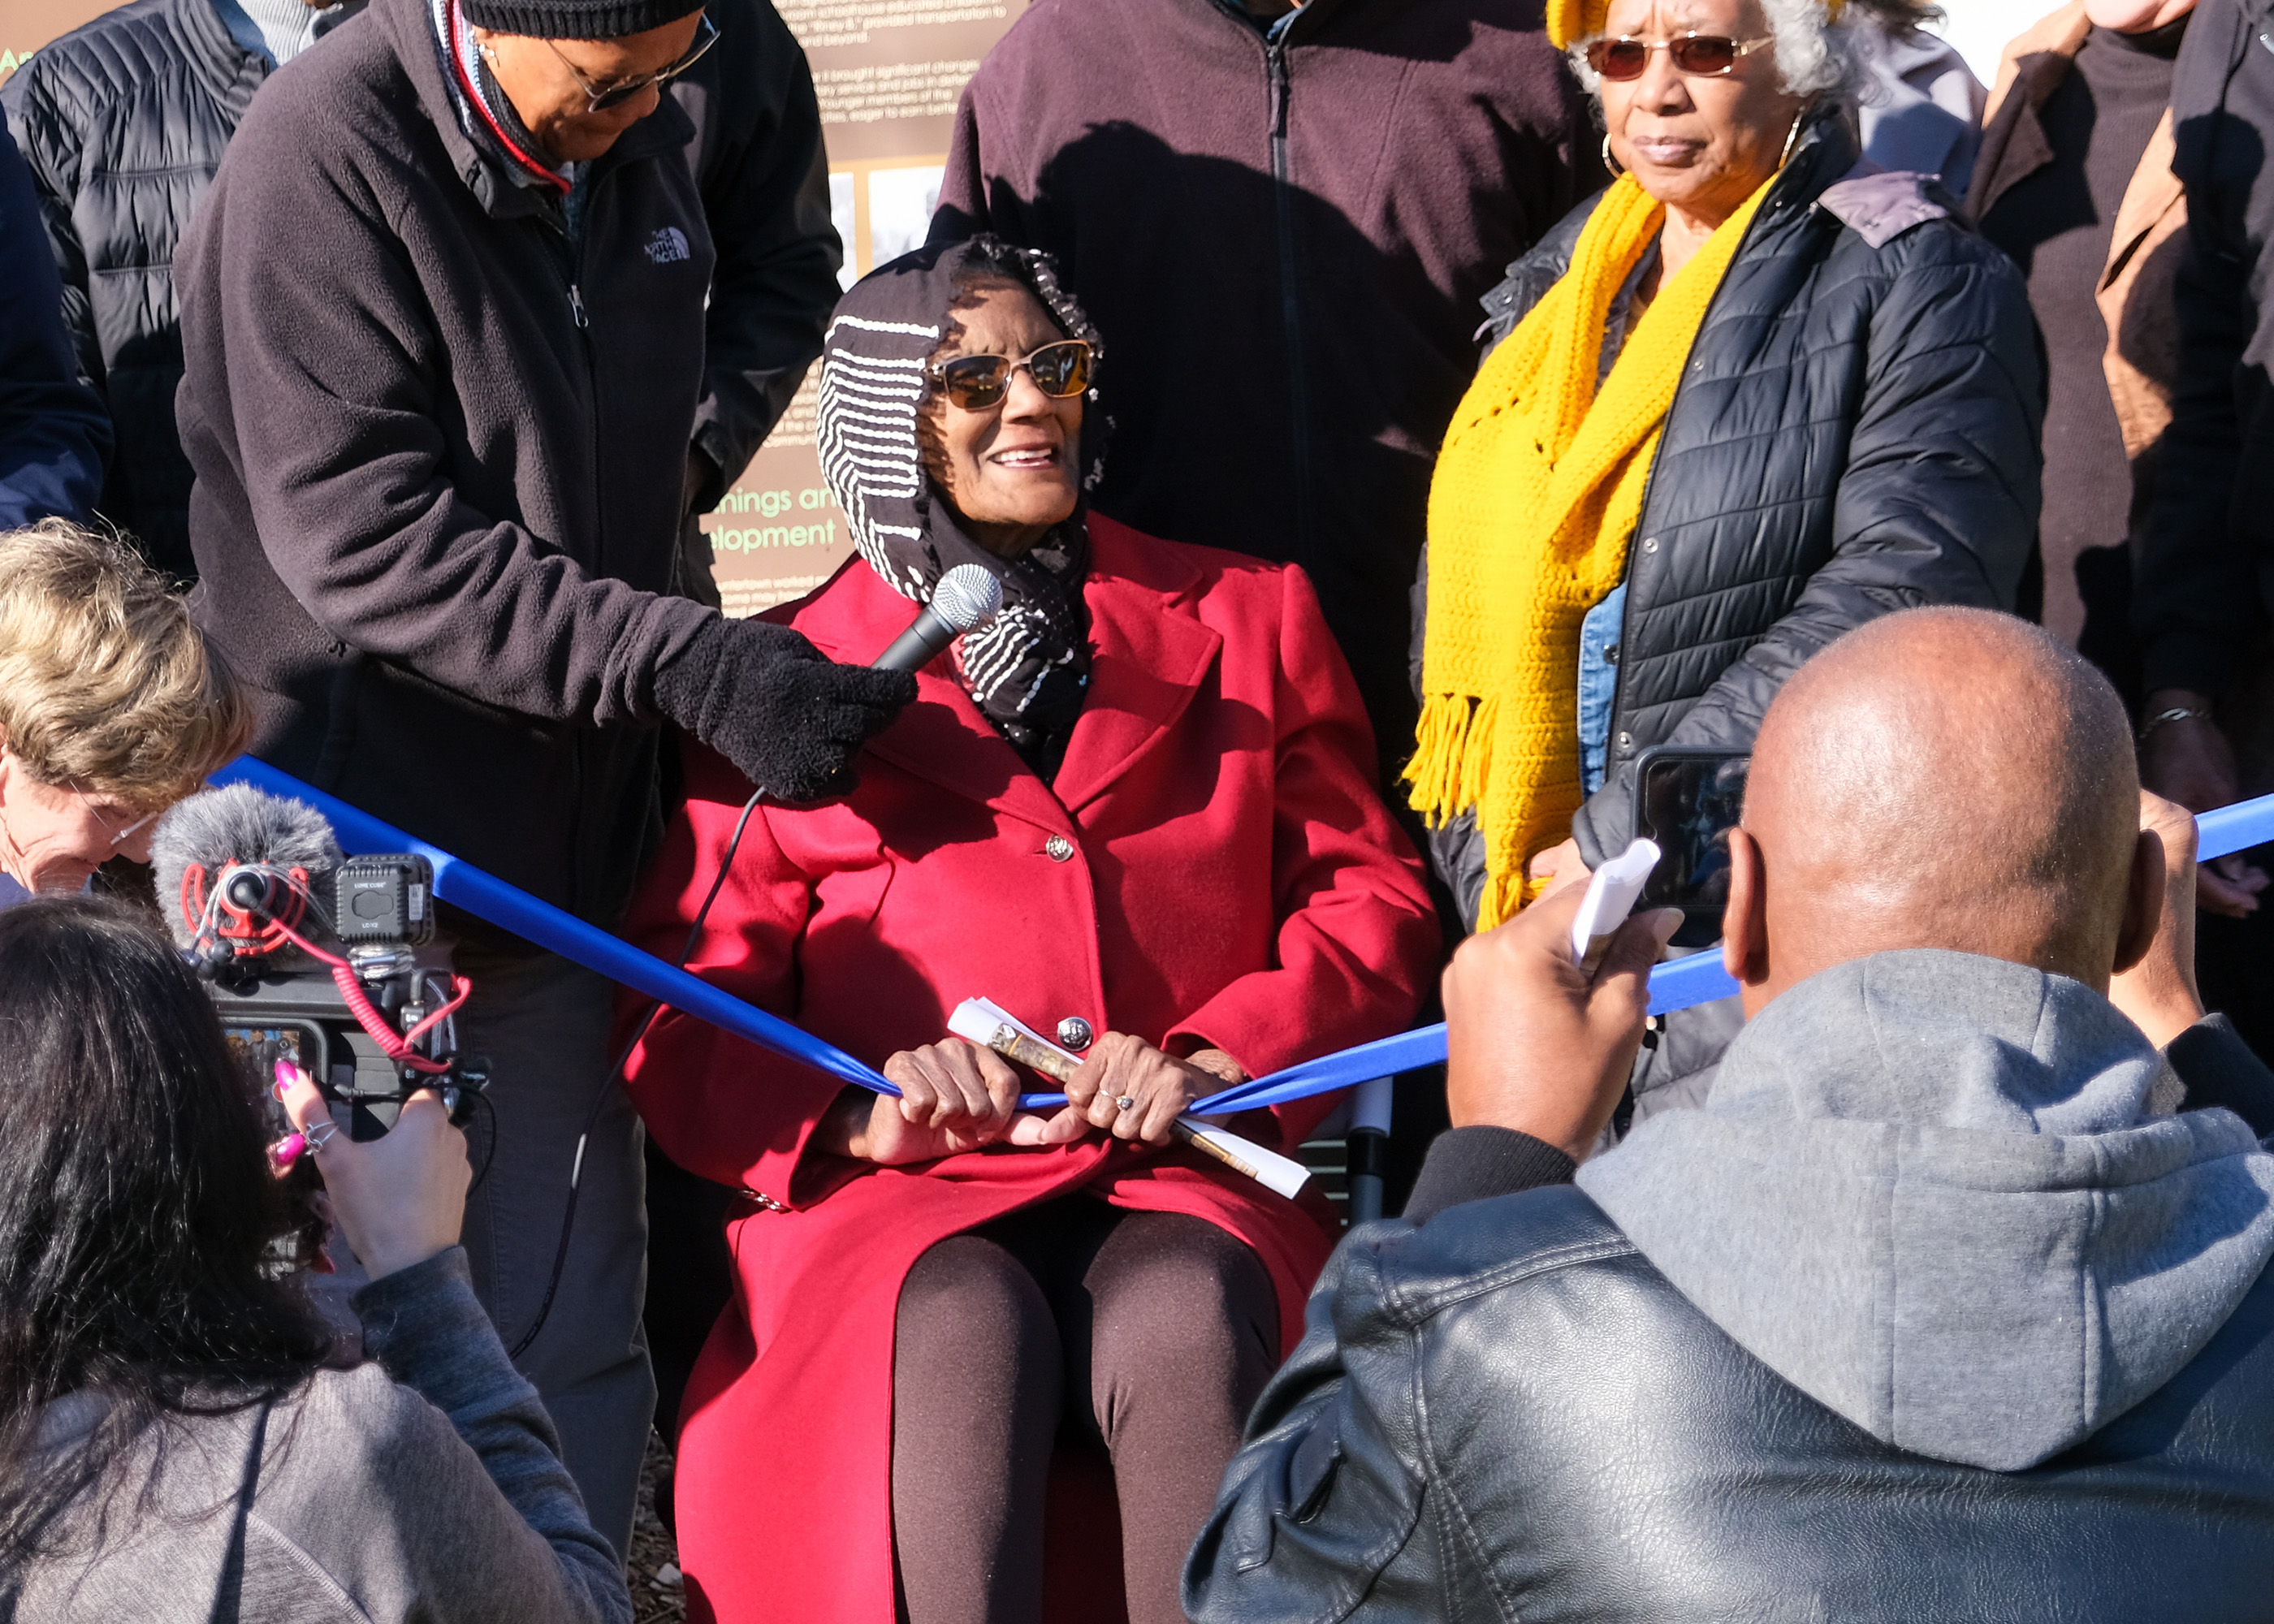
<point>1452,761</point>
<point>1505,896</point>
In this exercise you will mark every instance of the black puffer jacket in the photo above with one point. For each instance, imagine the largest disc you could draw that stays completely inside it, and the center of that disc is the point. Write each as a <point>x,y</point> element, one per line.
<point>1856,432</point>
<point>123,122</point>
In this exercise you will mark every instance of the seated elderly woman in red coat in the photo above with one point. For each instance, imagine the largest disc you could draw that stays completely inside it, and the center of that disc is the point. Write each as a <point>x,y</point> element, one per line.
<point>1139,804</point>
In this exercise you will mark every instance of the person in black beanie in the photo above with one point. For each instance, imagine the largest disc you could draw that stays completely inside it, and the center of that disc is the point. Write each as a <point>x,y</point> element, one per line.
<point>442,317</point>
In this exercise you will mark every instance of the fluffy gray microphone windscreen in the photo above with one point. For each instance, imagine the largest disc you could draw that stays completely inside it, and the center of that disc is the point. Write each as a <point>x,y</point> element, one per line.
<point>239,824</point>
<point>970,595</point>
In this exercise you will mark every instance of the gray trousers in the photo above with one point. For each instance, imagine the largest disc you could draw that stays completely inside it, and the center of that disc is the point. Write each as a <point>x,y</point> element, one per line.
<point>543,1023</point>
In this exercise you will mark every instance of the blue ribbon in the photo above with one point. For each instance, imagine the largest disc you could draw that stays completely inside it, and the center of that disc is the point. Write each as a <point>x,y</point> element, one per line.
<point>1677,984</point>
<point>489,898</point>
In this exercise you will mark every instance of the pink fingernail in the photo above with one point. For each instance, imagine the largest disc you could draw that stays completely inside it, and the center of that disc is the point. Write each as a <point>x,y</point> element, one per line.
<point>286,1151</point>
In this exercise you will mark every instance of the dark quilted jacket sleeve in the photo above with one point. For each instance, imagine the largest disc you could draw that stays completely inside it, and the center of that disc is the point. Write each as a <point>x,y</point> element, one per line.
<point>47,135</point>
<point>1325,1505</point>
<point>1938,500</point>
<point>54,436</point>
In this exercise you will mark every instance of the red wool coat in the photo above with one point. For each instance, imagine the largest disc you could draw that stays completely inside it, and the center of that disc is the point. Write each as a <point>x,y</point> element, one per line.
<point>1212,862</point>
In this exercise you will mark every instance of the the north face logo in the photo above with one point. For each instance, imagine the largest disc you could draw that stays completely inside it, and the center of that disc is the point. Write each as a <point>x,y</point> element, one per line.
<point>667,246</point>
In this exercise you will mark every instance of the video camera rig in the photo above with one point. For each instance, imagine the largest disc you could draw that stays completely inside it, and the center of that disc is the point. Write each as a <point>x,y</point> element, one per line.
<point>372,1022</point>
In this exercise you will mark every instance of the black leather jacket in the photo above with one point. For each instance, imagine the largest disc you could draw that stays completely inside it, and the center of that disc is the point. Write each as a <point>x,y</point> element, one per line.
<point>1856,432</point>
<point>1508,1413</point>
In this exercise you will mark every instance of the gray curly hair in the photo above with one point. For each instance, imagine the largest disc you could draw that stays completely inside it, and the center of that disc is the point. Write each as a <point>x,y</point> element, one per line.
<point>1816,55</point>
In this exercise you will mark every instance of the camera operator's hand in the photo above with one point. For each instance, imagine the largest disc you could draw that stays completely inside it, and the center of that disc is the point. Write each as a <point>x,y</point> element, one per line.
<point>1532,1041</point>
<point>400,1198</point>
<point>788,718</point>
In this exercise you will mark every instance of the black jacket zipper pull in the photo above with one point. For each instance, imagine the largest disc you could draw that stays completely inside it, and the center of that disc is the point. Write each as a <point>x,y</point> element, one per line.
<point>576,303</point>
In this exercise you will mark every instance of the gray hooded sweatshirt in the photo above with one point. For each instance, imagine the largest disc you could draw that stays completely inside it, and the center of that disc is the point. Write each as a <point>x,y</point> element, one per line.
<point>1931,1191</point>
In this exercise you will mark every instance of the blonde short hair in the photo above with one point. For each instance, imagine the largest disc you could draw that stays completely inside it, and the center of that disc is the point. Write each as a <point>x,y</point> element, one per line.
<point>106,684</point>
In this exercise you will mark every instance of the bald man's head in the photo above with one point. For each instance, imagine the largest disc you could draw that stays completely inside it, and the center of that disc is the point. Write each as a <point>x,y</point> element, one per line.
<point>1939,778</point>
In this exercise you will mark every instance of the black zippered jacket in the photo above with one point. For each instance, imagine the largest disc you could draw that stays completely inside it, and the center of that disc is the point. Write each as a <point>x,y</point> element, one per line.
<point>123,122</point>
<point>2204,591</point>
<point>440,449</point>
<point>1855,433</point>
<point>764,177</point>
<point>1281,236</point>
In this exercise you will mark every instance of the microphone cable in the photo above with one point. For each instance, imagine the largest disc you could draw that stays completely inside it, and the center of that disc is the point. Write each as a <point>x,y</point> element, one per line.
<point>614,1075</point>
<point>965,596</point>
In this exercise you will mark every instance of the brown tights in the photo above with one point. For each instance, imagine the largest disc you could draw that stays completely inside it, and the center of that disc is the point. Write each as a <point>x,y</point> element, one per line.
<point>1151,1332</point>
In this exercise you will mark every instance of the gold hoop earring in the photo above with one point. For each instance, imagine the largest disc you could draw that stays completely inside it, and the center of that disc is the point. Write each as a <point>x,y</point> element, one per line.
<point>1791,136</point>
<point>1610,163</point>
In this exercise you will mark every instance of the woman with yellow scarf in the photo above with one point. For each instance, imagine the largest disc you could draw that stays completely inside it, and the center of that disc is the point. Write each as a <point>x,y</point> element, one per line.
<point>1756,392</point>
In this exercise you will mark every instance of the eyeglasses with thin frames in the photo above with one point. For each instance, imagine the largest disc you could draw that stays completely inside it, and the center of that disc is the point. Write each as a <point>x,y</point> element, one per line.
<point>118,836</point>
<point>601,97</point>
<point>1700,56</point>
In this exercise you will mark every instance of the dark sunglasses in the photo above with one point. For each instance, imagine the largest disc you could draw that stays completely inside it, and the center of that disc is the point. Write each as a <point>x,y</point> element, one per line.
<point>601,97</point>
<point>975,382</point>
<point>1701,55</point>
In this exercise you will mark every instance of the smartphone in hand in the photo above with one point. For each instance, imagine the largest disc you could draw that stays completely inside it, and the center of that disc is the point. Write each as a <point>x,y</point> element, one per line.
<point>1686,801</point>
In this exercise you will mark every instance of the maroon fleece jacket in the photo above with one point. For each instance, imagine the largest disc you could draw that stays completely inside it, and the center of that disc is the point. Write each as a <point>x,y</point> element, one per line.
<point>1283,235</point>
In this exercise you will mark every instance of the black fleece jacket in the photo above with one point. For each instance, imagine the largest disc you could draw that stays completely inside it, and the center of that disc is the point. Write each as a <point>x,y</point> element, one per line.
<point>1282,230</point>
<point>440,449</point>
<point>124,121</point>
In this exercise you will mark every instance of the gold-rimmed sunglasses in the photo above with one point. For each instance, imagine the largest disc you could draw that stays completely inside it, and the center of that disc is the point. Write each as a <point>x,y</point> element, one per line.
<point>976,382</point>
<point>1701,55</point>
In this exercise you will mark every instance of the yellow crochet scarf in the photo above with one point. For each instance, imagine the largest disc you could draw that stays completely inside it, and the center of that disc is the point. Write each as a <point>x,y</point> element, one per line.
<point>1536,494</point>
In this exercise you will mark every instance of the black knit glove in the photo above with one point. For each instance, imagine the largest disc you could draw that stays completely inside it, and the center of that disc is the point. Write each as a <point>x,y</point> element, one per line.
<point>769,702</point>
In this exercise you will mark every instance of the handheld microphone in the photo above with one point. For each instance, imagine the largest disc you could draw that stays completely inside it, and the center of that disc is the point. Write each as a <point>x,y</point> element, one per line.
<point>967,596</point>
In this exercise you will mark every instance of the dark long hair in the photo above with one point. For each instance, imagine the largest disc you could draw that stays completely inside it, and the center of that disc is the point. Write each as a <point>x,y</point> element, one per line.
<point>137,1210</point>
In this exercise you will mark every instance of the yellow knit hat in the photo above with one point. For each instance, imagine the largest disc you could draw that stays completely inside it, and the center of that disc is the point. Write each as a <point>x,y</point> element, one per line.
<point>1570,21</point>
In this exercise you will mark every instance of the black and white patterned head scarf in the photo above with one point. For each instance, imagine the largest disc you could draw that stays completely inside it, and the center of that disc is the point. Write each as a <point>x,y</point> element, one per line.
<point>1028,671</point>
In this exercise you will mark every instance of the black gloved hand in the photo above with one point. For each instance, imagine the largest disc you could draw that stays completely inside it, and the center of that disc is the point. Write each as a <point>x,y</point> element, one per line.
<point>770,702</point>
